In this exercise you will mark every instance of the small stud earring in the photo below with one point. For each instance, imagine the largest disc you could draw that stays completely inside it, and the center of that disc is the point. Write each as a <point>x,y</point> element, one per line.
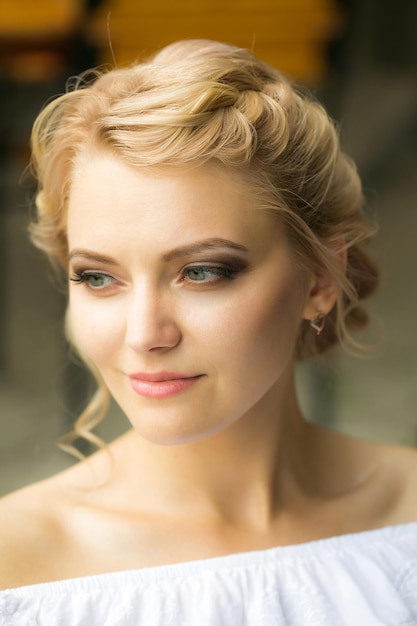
<point>318,322</point>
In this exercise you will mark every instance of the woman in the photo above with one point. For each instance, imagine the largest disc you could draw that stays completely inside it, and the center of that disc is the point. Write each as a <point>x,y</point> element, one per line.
<point>212,234</point>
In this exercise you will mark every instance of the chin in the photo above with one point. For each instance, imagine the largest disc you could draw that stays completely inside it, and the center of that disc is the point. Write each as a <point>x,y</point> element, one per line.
<point>173,430</point>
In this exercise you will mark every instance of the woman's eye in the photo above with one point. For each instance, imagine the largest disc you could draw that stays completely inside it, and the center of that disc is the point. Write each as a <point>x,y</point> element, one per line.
<point>207,274</point>
<point>93,280</point>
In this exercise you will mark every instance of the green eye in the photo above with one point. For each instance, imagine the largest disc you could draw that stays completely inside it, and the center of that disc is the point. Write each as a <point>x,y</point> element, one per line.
<point>92,280</point>
<point>97,281</point>
<point>208,274</point>
<point>198,274</point>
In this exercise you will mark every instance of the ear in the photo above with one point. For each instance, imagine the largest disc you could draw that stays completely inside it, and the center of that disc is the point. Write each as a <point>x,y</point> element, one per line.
<point>323,291</point>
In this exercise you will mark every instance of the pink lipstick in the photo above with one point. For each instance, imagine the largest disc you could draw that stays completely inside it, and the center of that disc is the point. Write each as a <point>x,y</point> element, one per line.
<point>161,384</point>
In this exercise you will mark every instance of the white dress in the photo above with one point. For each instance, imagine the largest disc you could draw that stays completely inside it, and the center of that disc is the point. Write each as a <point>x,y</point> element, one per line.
<point>361,579</point>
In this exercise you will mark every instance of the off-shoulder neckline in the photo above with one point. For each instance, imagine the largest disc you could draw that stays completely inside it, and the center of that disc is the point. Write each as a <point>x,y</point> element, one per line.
<point>302,552</point>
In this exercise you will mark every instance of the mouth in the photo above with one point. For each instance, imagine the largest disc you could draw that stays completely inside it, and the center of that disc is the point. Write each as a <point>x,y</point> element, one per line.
<point>162,384</point>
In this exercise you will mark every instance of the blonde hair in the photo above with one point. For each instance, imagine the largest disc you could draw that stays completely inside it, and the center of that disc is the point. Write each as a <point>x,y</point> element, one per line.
<point>202,101</point>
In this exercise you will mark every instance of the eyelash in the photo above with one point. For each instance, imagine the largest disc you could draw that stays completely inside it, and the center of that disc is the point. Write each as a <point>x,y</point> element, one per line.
<point>221,272</point>
<point>82,276</point>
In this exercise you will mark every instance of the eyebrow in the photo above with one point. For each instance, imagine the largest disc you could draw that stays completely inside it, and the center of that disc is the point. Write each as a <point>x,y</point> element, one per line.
<point>91,256</point>
<point>193,248</point>
<point>202,246</point>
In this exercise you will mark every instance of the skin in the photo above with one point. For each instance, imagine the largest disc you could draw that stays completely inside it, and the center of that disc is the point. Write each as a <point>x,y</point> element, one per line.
<point>229,464</point>
<point>150,315</point>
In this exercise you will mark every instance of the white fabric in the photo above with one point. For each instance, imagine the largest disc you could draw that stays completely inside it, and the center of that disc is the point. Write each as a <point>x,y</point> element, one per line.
<point>362,579</point>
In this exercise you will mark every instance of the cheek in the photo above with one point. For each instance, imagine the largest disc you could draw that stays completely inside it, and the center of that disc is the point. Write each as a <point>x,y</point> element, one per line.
<point>251,347</point>
<point>95,331</point>
<point>257,331</point>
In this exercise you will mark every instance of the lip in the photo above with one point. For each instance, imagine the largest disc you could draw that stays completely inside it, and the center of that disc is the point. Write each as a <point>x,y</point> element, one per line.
<point>161,384</point>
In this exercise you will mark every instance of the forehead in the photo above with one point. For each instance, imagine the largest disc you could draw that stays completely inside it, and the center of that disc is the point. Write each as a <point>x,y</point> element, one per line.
<point>110,199</point>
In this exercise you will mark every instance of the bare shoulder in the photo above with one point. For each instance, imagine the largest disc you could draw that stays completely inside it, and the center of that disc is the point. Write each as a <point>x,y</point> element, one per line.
<point>393,479</point>
<point>385,475</point>
<point>29,525</point>
<point>400,463</point>
<point>41,526</point>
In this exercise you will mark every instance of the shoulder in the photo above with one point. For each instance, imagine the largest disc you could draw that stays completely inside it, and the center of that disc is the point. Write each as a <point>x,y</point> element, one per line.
<point>393,482</point>
<point>382,478</point>
<point>41,526</point>
<point>400,470</point>
<point>36,527</point>
<point>28,523</point>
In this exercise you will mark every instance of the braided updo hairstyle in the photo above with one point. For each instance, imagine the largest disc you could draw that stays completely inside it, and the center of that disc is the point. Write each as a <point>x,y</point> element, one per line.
<point>198,101</point>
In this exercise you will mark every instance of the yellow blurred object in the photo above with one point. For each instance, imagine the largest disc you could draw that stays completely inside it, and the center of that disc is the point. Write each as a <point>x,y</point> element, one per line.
<point>289,34</point>
<point>35,36</point>
<point>38,18</point>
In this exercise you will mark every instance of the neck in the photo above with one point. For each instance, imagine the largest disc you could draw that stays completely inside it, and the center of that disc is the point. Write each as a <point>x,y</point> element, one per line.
<point>240,473</point>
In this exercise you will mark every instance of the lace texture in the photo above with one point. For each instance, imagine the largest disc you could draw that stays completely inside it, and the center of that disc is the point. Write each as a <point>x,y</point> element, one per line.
<point>363,579</point>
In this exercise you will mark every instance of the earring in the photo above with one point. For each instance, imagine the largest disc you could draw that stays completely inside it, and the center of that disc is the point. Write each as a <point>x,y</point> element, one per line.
<point>318,322</point>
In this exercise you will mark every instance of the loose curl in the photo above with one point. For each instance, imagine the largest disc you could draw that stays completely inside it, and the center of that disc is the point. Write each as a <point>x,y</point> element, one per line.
<point>202,101</point>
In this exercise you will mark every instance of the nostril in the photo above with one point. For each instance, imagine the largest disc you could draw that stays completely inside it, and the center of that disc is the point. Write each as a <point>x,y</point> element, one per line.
<point>152,328</point>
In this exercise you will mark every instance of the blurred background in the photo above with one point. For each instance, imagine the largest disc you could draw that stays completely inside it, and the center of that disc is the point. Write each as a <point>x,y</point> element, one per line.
<point>358,56</point>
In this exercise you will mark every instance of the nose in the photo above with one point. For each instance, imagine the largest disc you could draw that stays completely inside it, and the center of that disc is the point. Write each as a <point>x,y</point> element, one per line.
<point>150,322</point>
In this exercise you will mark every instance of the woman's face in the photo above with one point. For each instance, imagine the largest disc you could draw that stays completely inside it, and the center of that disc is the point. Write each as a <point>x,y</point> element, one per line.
<point>183,295</point>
